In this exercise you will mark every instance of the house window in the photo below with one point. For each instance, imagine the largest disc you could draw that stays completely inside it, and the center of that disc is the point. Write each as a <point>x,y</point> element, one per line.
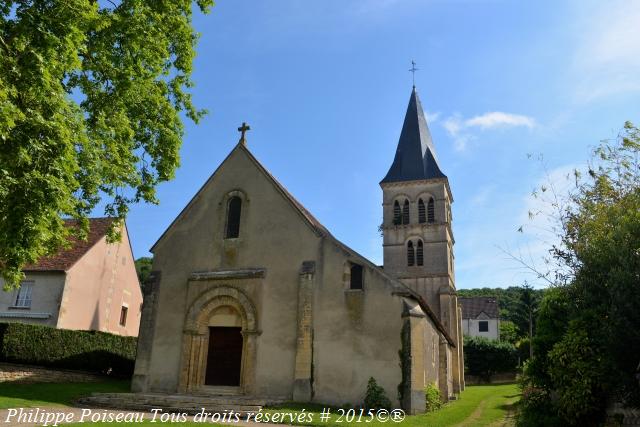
<point>234,209</point>
<point>483,326</point>
<point>411,257</point>
<point>397,213</point>
<point>420,254</point>
<point>405,212</point>
<point>23,298</point>
<point>356,281</point>
<point>123,315</point>
<point>431,214</point>
<point>422,215</point>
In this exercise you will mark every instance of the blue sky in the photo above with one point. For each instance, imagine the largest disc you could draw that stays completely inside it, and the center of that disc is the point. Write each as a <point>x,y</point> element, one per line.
<point>325,85</point>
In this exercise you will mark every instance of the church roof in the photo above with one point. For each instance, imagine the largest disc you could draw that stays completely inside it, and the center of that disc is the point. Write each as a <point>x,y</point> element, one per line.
<point>415,156</point>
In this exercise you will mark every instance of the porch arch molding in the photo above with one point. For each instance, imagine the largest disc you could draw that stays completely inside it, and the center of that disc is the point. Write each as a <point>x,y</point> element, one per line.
<point>195,340</point>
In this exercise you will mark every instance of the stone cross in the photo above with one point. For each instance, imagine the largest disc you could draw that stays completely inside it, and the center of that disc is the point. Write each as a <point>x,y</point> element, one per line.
<point>243,129</point>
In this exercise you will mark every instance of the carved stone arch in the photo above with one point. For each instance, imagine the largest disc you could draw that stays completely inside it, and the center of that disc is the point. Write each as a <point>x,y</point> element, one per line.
<point>203,307</point>
<point>195,340</point>
<point>236,192</point>
<point>401,197</point>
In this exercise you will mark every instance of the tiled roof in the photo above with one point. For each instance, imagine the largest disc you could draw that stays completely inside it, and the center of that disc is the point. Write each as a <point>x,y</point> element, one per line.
<point>66,258</point>
<point>472,307</point>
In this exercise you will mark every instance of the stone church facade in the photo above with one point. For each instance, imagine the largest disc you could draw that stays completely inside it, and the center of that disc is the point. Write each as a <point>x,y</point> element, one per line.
<point>251,295</point>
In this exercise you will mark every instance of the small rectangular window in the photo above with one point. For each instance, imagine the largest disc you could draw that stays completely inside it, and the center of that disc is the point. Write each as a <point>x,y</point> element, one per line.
<point>23,298</point>
<point>123,316</point>
<point>483,326</point>
<point>356,277</point>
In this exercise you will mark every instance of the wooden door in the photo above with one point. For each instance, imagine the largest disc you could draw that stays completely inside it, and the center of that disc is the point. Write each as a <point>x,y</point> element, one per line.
<point>224,359</point>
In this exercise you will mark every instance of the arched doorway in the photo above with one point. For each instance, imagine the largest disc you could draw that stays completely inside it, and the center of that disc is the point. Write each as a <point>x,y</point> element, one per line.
<point>219,336</point>
<point>224,353</point>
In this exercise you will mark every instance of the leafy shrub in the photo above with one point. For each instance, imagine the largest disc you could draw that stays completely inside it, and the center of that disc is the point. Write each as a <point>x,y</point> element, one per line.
<point>484,357</point>
<point>61,348</point>
<point>376,398</point>
<point>432,398</point>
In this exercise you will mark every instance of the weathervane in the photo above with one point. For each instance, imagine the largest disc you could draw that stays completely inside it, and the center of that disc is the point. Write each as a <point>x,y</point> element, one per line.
<point>243,129</point>
<point>413,70</point>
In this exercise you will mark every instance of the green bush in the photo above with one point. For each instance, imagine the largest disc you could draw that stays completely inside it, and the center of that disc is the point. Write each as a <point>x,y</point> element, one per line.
<point>432,398</point>
<point>61,348</point>
<point>484,357</point>
<point>376,398</point>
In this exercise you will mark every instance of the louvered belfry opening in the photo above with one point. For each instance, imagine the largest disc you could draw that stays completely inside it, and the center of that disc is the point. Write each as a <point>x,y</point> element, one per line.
<point>397,213</point>
<point>411,257</point>
<point>422,218</point>
<point>431,214</point>
<point>420,253</point>
<point>405,213</point>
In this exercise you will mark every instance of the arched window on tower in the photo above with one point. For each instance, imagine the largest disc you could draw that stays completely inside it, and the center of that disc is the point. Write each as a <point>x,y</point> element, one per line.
<point>397,213</point>
<point>420,254</point>
<point>405,212</point>
<point>422,215</point>
<point>234,208</point>
<point>411,256</point>
<point>431,210</point>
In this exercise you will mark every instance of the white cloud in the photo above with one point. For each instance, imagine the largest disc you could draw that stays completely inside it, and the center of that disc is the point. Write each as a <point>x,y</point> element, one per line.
<point>496,119</point>
<point>461,129</point>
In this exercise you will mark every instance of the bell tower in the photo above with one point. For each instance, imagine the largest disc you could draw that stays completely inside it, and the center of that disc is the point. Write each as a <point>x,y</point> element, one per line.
<point>418,237</point>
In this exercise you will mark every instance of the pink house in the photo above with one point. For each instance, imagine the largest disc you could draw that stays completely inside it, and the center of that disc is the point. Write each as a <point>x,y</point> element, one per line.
<point>90,286</point>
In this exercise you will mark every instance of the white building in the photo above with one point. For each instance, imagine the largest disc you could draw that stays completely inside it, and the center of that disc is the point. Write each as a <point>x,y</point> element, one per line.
<point>480,317</point>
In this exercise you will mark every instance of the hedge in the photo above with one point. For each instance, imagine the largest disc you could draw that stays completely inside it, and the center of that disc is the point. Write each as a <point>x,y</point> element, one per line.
<point>484,357</point>
<point>91,351</point>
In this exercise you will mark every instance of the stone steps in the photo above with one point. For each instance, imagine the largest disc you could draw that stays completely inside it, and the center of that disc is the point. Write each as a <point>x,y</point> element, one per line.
<point>189,404</point>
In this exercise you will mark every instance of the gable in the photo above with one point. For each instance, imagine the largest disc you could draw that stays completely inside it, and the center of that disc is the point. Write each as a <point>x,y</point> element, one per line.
<point>242,174</point>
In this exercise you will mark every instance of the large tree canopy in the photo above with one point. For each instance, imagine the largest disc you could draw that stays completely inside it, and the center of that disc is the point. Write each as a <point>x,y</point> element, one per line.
<point>91,98</point>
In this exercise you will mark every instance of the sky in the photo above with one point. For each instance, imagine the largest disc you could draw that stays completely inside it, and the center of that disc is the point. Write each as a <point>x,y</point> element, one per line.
<point>325,85</point>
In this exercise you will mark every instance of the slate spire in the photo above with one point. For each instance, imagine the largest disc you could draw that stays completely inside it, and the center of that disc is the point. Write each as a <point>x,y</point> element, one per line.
<point>415,156</point>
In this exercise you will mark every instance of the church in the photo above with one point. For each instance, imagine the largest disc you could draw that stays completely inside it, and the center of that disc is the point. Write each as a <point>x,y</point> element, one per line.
<point>251,296</point>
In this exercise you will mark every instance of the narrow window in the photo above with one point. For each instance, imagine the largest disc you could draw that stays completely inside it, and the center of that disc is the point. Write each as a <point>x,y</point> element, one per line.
<point>483,326</point>
<point>419,254</point>
<point>233,217</point>
<point>422,217</point>
<point>405,212</point>
<point>23,299</point>
<point>356,281</point>
<point>411,256</point>
<point>123,315</point>
<point>431,216</point>
<point>397,214</point>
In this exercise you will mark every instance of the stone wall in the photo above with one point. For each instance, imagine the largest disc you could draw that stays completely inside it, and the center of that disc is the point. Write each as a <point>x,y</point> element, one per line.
<point>10,372</point>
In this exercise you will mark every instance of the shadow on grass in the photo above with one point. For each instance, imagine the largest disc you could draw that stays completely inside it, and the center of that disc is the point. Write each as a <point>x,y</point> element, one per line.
<point>28,395</point>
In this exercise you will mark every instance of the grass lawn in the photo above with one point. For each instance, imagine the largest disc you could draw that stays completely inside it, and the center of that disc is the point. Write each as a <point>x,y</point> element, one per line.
<point>485,405</point>
<point>53,394</point>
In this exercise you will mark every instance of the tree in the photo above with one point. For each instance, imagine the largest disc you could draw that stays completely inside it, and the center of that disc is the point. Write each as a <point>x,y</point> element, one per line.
<point>588,339</point>
<point>508,332</point>
<point>143,268</point>
<point>91,97</point>
<point>524,313</point>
